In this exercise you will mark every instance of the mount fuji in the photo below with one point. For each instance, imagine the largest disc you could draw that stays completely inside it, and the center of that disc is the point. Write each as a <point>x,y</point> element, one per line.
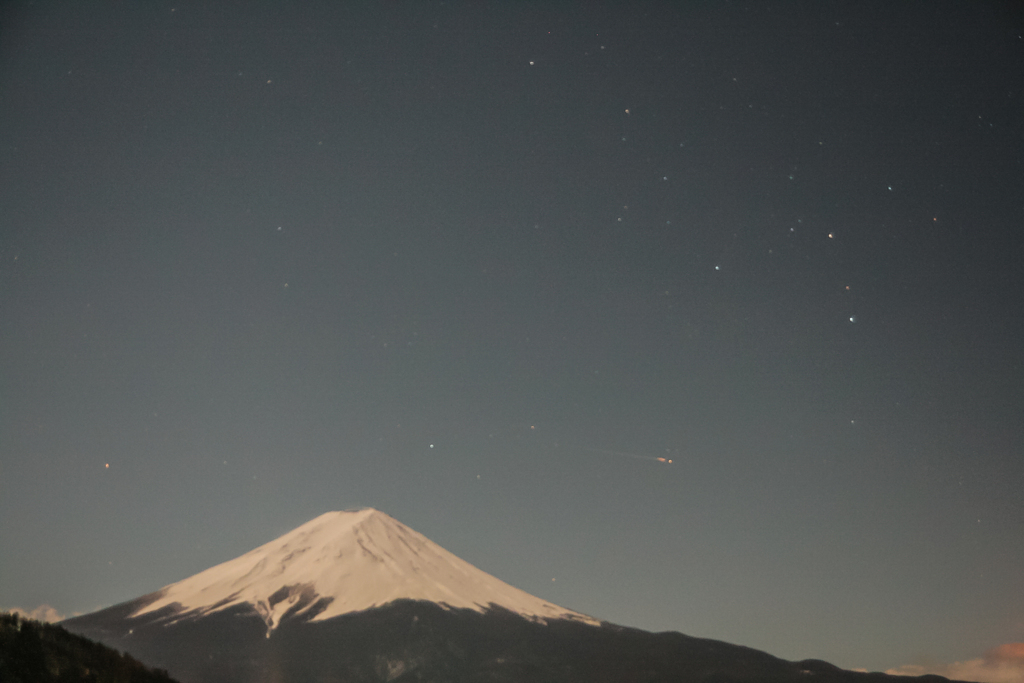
<point>358,596</point>
<point>343,562</point>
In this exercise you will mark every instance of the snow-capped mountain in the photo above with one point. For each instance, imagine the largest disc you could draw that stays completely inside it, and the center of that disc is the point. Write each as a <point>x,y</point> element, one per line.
<point>358,597</point>
<point>344,562</point>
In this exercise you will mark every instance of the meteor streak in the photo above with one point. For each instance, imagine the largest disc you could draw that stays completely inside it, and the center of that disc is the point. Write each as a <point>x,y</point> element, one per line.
<point>637,456</point>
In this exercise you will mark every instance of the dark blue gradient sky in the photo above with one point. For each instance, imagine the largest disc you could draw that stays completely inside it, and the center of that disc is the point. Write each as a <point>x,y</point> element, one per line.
<point>461,261</point>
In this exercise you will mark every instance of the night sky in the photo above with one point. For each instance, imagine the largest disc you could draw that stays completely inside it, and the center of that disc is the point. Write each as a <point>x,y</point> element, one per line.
<point>479,264</point>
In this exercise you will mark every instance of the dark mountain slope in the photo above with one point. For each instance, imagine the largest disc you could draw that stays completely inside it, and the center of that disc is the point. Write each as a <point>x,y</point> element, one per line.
<point>409,641</point>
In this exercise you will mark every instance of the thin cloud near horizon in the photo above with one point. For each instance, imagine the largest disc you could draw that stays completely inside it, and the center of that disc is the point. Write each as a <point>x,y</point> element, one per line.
<point>1001,664</point>
<point>44,613</point>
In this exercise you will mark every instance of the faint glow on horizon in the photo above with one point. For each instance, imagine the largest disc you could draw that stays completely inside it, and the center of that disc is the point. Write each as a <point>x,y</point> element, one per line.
<point>1001,664</point>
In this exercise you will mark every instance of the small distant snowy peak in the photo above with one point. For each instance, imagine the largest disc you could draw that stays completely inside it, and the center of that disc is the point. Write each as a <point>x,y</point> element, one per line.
<point>345,562</point>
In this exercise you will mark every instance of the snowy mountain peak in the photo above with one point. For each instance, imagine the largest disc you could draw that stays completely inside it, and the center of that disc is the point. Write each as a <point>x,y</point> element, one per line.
<point>345,562</point>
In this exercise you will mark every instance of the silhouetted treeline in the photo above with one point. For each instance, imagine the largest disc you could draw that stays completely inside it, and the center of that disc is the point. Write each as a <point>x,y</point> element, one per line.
<point>34,652</point>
